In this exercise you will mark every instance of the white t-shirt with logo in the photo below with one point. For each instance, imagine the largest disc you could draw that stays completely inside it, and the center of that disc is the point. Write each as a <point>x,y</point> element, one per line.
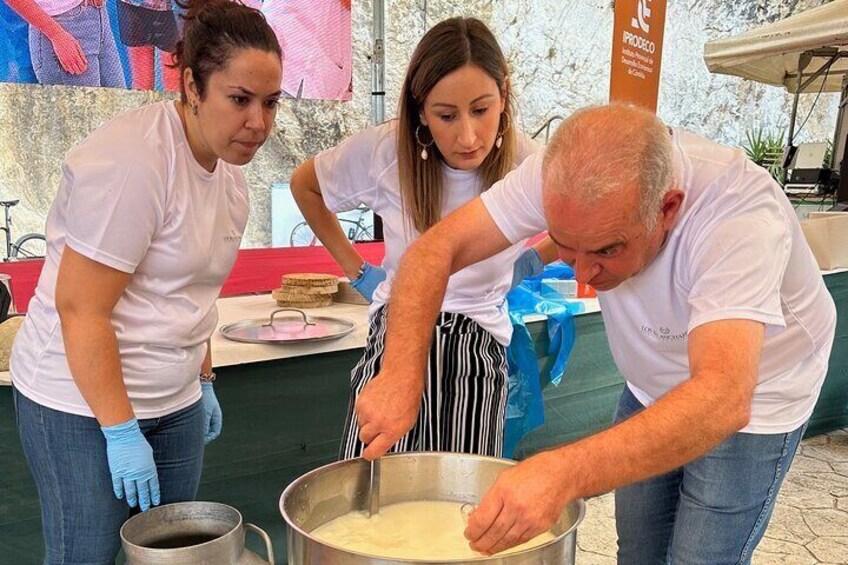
<point>363,170</point>
<point>132,197</point>
<point>735,252</point>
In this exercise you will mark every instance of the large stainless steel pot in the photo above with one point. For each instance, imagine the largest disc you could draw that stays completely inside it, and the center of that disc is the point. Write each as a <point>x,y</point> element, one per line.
<point>330,491</point>
<point>191,533</point>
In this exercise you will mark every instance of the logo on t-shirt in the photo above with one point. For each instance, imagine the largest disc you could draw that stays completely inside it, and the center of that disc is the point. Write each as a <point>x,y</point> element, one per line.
<point>663,333</point>
<point>233,237</point>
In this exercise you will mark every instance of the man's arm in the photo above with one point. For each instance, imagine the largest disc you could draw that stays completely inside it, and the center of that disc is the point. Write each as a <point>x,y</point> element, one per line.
<point>681,426</point>
<point>388,406</point>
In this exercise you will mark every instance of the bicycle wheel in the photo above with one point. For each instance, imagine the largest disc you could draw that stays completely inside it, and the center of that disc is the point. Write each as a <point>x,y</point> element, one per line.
<point>302,236</point>
<point>29,246</point>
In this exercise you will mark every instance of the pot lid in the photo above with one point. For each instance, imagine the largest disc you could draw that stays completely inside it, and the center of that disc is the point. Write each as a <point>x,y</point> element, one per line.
<point>291,328</point>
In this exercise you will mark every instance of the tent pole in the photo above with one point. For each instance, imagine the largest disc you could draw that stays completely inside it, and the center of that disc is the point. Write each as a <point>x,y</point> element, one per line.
<point>803,62</point>
<point>789,136</point>
<point>378,69</point>
<point>838,161</point>
<point>793,115</point>
<point>378,82</point>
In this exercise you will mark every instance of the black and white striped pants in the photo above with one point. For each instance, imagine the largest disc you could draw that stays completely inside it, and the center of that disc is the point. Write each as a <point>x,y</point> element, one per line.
<point>464,403</point>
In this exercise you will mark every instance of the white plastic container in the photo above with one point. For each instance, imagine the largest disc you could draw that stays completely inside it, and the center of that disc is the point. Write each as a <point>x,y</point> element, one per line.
<point>565,288</point>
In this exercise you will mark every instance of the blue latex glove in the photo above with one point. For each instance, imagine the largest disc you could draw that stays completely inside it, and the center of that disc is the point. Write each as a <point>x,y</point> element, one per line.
<point>213,419</point>
<point>131,464</point>
<point>367,282</point>
<point>528,264</point>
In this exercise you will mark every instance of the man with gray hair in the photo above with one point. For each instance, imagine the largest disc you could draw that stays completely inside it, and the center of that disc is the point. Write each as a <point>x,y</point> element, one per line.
<point>716,315</point>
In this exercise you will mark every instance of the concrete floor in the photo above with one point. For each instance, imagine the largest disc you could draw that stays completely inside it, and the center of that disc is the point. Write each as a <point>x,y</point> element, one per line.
<point>809,524</point>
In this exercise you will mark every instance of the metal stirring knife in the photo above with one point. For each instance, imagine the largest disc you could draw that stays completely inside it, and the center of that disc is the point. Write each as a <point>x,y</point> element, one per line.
<point>374,489</point>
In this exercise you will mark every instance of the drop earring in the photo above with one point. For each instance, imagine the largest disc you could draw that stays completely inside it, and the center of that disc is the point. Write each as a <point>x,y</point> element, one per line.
<point>424,153</point>
<point>499,138</point>
<point>194,109</point>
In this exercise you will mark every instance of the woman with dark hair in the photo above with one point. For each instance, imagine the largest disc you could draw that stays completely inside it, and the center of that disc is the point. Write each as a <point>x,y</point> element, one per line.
<point>453,139</point>
<point>112,369</point>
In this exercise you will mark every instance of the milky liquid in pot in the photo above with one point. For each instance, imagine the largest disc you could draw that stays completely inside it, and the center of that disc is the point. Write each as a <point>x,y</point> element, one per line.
<point>426,529</point>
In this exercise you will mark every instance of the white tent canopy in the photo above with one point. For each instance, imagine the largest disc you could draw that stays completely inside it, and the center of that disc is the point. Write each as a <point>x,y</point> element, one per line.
<point>782,52</point>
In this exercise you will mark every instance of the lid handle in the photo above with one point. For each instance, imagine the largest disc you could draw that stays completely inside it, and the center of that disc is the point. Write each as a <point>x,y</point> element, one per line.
<point>306,321</point>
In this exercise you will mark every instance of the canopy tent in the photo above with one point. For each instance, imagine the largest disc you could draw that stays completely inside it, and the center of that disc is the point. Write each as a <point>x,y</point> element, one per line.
<point>813,43</point>
<point>806,52</point>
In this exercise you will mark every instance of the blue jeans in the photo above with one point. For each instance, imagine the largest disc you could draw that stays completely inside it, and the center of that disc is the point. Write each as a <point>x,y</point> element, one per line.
<point>712,511</point>
<point>90,27</point>
<point>80,516</point>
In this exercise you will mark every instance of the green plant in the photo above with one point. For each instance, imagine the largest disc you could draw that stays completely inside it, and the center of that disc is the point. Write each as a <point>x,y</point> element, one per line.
<point>765,149</point>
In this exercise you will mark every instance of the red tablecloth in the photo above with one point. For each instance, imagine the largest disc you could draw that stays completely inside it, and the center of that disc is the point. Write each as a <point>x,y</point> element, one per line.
<point>256,270</point>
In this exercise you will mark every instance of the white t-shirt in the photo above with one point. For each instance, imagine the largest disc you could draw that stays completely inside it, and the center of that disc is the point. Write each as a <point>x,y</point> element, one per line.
<point>363,170</point>
<point>735,252</point>
<point>132,197</point>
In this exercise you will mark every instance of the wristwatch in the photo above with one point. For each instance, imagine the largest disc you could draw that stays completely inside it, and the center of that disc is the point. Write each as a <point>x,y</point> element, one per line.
<point>207,377</point>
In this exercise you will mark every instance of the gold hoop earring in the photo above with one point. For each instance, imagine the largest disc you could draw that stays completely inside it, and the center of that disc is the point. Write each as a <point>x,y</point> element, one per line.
<point>499,139</point>
<point>424,154</point>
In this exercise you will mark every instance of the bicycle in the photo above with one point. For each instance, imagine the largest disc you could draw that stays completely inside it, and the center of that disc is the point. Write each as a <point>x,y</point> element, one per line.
<point>28,246</point>
<point>356,230</point>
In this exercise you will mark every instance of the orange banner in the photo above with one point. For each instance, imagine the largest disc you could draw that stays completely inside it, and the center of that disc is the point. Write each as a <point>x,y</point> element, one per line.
<point>637,52</point>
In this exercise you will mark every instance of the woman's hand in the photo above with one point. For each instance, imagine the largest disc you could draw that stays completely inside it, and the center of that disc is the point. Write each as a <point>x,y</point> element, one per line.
<point>213,418</point>
<point>366,283</point>
<point>528,264</point>
<point>68,51</point>
<point>131,464</point>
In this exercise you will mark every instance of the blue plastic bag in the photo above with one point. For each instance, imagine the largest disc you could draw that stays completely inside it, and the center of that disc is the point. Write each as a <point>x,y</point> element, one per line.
<point>525,409</point>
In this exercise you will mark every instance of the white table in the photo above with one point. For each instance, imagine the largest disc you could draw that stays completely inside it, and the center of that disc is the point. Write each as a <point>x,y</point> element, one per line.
<point>232,309</point>
<point>226,352</point>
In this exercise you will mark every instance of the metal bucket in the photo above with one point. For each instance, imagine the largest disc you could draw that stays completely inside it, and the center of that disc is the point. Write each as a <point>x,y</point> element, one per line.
<point>190,533</point>
<point>336,489</point>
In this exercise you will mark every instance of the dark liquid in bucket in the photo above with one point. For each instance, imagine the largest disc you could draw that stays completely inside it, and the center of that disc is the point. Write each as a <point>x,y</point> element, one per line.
<point>180,540</point>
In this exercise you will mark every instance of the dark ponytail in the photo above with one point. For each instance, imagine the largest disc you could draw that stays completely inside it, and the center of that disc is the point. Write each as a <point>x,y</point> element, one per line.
<point>213,30</point>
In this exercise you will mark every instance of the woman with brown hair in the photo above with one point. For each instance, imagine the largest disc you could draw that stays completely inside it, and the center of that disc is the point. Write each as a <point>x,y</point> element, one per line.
<point>111,369</point>
<point>453,139</point>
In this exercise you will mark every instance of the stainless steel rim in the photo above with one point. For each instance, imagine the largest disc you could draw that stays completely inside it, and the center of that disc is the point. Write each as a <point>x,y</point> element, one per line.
<point>581,508</point>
